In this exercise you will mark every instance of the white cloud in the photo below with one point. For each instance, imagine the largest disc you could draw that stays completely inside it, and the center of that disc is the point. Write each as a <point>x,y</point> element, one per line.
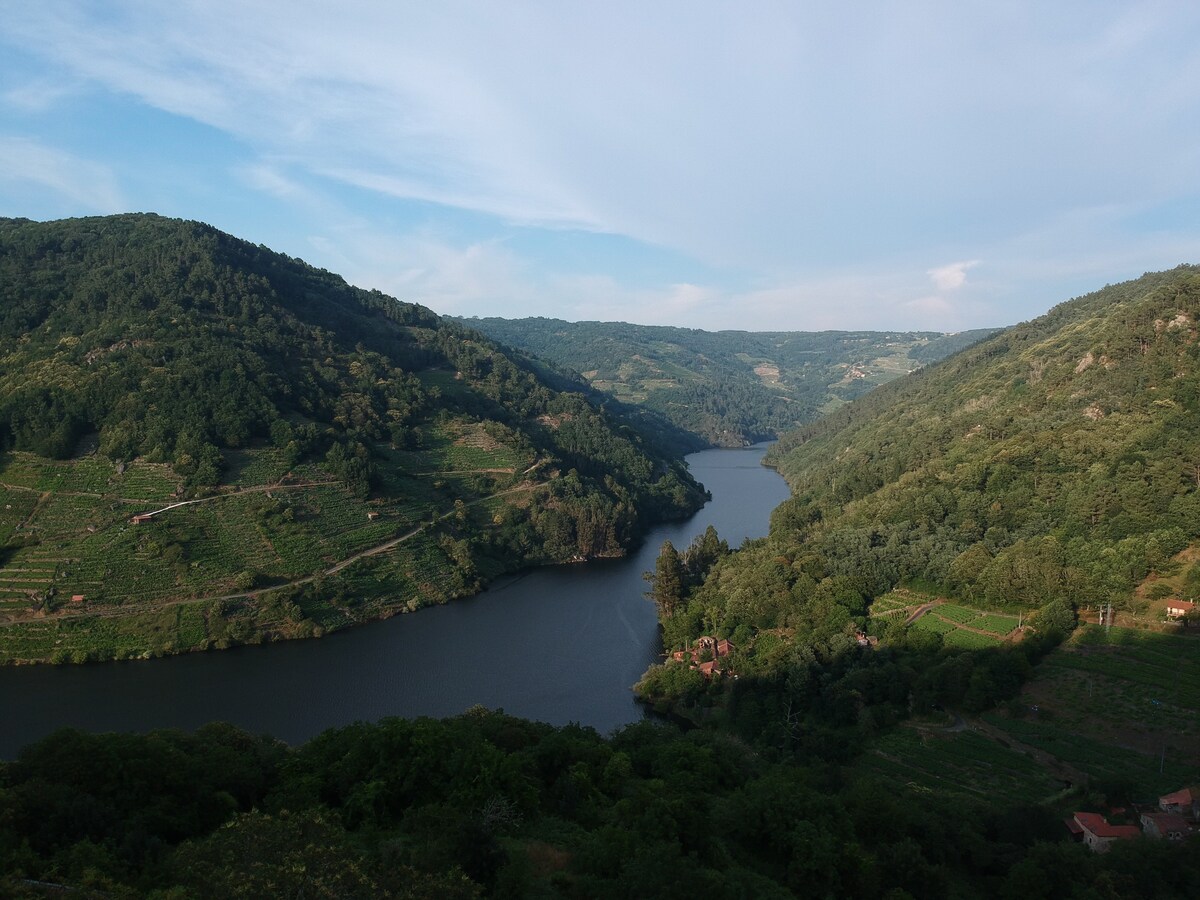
<point>262,176</point>
<point>37,95</point>
<point>952,276</point>
<point>746,136</point>
<point>78,182</point>
<point>823,155</point>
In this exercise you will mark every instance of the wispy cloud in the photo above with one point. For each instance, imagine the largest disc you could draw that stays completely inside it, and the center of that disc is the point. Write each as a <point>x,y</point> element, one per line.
<point>76,182</point>
<point>783,145</point>
<point>38,94</point>
<point>952,276</point>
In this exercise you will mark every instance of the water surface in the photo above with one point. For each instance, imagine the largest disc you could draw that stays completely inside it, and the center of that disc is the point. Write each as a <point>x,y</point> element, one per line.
<point>561,644</point>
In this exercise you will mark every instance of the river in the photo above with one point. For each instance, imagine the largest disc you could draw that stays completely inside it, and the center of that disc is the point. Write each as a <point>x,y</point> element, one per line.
<point>560,644</point>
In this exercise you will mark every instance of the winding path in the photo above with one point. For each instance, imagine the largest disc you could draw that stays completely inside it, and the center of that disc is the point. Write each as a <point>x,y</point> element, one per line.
<point>127,609</point>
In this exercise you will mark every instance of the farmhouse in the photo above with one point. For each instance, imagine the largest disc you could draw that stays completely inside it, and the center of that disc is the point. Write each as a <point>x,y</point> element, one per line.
<point>139,519</point>
<point>1168,826</point>
<point>1098,834</point>
<point>1185,802</point>
<point>77,598</point>
<point>1177,609</point>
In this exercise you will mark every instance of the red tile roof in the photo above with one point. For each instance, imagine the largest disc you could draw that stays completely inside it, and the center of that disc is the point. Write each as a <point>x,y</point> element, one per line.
<point>1167,822</point>
<point>1098,825</point>
<point>1181,798</point>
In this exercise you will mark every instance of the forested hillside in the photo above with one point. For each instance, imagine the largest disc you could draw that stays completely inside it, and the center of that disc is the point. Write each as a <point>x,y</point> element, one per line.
<point>1055,460</point>
<point>949,530</point>
<point>347,455</point>
<point>488,805</point>
<point>728,388</point>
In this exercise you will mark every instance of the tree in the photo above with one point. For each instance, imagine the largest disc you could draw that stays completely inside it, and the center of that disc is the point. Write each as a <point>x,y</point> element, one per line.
<point>703,554</point>
<point>667,581</point>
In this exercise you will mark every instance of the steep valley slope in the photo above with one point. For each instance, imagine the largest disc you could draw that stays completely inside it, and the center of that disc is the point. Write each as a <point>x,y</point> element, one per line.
<point>207,443</point>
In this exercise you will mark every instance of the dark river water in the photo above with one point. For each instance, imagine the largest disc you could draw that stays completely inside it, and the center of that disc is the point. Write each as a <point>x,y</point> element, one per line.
<point>562,644</point>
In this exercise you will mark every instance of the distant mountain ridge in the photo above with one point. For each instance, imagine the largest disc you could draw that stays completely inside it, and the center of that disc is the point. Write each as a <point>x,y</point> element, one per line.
<point>144,361</point>
<point>728,388</point>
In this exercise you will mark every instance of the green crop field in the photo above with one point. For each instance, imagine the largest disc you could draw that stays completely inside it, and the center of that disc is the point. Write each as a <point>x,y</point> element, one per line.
<point>929,622</point>
<point>957,763</point>
<point>1101,760</point>
<point>959,614</point>
<point>969,640</point>
<point>966,628</point>
<point>890,604</point>
<point>996,624</point>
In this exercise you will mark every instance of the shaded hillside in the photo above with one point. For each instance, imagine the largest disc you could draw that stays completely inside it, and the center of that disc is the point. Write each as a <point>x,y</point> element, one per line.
<point>1046,470</point>
<point>728,387</point>
<point>148,361</point>
<point>488,805</point>
<point>947,537</point>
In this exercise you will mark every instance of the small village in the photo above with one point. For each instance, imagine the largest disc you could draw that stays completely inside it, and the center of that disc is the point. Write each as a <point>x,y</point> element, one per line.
<point>1176,816</point>
<point>708,655</point>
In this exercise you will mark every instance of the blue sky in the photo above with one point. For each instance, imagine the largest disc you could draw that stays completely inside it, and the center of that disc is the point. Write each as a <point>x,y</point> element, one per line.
<point>759,165</point>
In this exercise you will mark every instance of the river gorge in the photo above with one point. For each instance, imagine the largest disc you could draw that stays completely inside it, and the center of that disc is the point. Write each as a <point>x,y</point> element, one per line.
<point>562,644</point>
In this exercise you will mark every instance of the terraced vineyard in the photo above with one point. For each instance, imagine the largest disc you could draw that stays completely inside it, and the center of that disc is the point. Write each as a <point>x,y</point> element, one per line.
<point>251,548</point>
<point>960,762</point>
<point>1110,766</point>
<point>1138,691</point>
<point>963,627</point>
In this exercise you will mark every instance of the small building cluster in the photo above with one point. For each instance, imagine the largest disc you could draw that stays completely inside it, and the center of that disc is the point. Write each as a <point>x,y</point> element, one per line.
<point>708,655</point>
<point>1177,816</point>
<point>1180,609</point>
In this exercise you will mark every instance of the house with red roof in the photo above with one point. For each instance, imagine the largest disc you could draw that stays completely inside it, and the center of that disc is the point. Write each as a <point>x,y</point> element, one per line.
<point>1185,802</point>
<point>706,655</point>
<point>1177,609</point>
<point>1165,826</point>
<point>1099,835</point>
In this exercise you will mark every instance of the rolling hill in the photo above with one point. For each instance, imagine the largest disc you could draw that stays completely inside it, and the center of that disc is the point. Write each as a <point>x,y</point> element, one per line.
<point>207,443</point>
<point>727,388</point>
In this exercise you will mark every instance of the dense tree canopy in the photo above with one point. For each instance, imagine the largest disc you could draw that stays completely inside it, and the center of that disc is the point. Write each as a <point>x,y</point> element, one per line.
<point>489,805</point>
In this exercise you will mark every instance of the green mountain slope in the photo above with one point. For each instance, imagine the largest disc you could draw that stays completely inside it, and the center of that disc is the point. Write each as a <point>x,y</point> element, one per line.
<point>1057,459</point>
<point>1051,467</point>
<point>346,455</point>
<point>946,537</point>
<point>730,387</point>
